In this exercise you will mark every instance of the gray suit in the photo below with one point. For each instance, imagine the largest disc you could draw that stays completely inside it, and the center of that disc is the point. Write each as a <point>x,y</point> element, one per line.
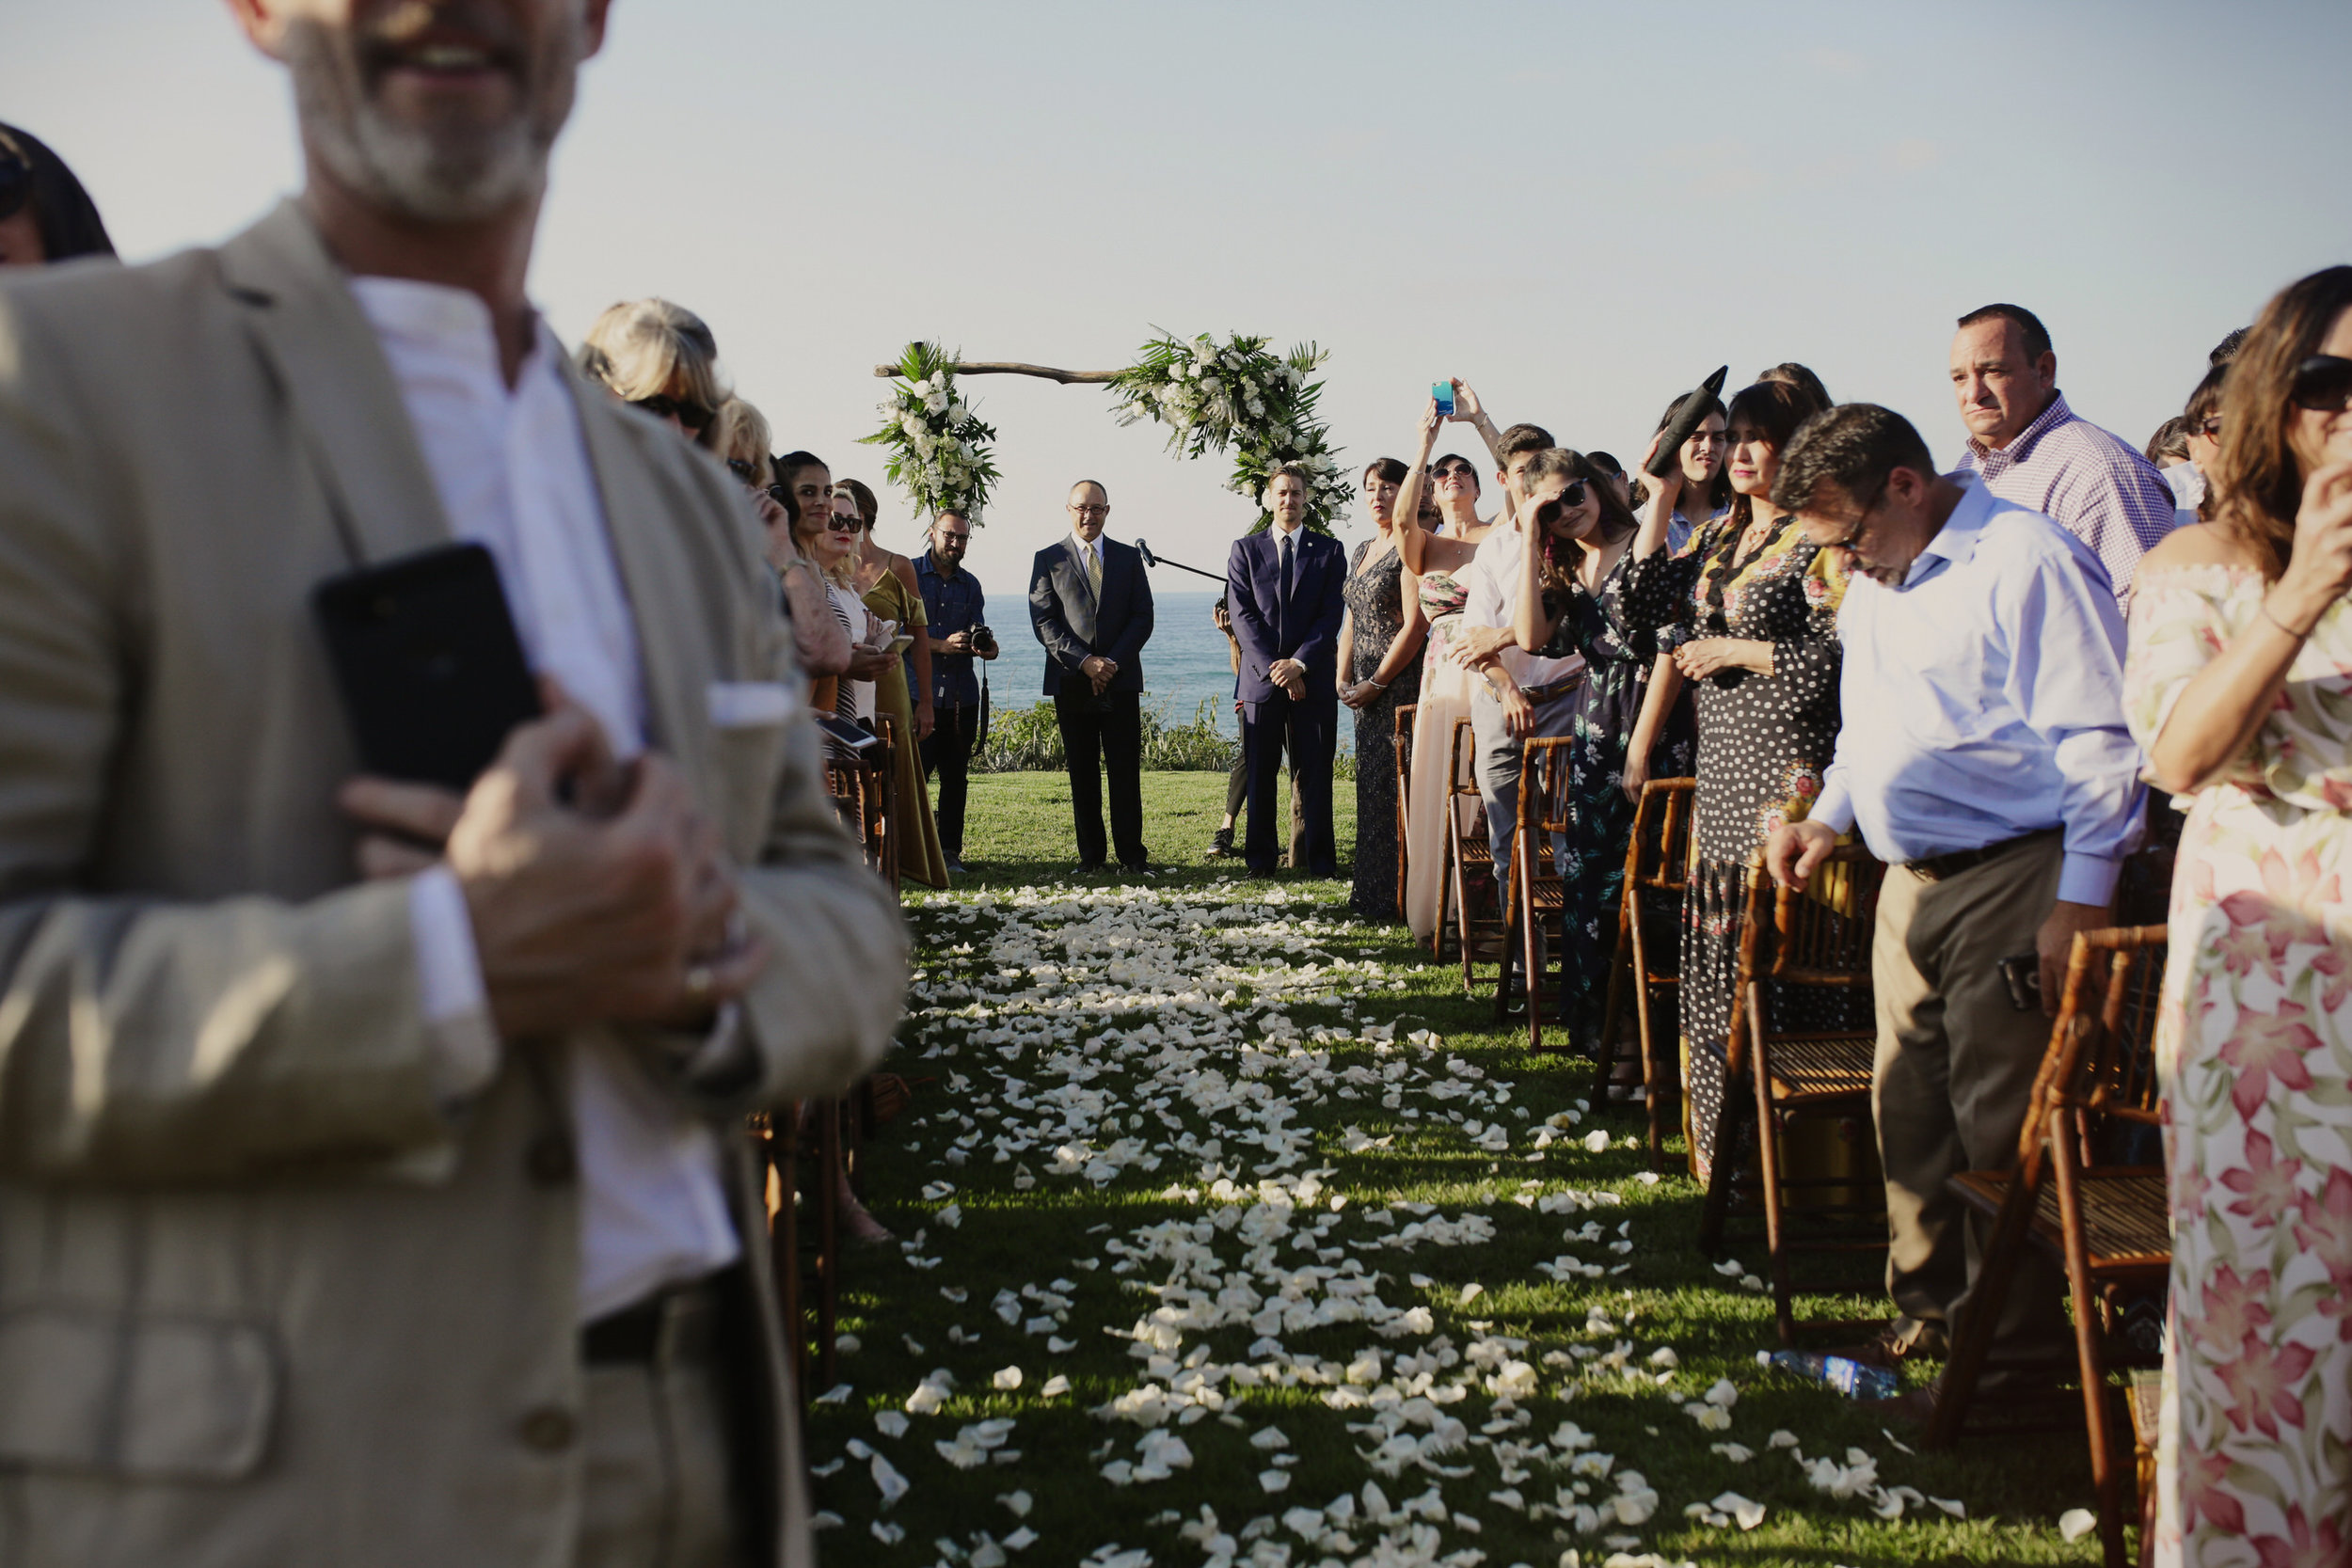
<point>262,1297</point>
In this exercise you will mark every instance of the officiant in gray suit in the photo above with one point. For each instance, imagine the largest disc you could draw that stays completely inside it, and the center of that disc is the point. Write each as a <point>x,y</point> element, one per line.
<point>1091,605</point>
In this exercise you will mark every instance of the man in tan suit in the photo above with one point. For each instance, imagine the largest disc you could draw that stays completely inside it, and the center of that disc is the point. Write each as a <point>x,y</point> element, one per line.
<point>402,1219</point>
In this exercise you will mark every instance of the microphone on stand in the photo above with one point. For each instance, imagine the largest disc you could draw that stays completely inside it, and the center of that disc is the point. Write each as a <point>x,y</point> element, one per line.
<point>1684,423</point>
<point>1150,560</point>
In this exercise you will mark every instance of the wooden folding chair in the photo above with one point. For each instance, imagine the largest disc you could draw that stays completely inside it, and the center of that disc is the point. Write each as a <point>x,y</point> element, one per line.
<point>1650,939</point>
<point>1403,751</point>
<point>862,788</point>
<point>2073,1194</point>
<point>1532,890</point>
<point>1468,853</point>
<point>783,1149</point>
<point>1793,942</point>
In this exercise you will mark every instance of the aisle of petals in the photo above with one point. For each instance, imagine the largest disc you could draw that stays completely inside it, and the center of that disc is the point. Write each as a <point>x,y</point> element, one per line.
<point>1228,1175</point>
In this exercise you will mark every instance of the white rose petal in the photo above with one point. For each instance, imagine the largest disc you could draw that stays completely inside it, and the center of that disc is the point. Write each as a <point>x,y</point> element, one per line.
<point>2076,1523</point>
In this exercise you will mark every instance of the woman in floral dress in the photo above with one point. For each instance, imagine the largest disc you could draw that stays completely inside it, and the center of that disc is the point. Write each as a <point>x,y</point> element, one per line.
<point>1750,612</point>
<point>1572,601</point>
<point>1379,672</point>
<point>2239,687</point>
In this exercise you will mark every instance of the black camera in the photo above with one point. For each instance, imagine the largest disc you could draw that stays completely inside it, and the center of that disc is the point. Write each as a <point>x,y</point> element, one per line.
<point>983,640</point>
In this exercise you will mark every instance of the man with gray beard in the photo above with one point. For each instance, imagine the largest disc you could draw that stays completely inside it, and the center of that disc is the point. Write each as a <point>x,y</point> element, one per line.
<point>372,1187</point>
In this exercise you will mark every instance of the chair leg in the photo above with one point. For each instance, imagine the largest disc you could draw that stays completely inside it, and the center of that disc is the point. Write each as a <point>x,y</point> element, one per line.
<point>1972,1339</point>
<point>1630,918</point>
<point>2103,1475</point>
<point>1532,938</point>
<point>1718,1209</point>
<point>1768,1160</point>
<point>784,1148</point>
<point>828,1236</point>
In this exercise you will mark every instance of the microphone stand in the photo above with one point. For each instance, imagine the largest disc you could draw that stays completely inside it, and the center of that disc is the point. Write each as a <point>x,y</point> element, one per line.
<point>1150,560</point>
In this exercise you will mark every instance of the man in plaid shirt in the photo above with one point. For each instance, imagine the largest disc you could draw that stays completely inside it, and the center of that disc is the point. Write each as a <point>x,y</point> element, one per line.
<point>2027,448</point>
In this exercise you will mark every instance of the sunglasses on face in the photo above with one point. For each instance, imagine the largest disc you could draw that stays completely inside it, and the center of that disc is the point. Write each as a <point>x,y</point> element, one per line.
<point>1567,501</point>
<point>16,185</point>
<point>2210,429</point>
<point>693,416</point>
<point>2323,384</point>
<point>742,468</point>
<point>1456,473</point>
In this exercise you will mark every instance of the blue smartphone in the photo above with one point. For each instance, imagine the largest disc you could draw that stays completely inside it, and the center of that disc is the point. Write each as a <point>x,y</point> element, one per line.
<point>1443,392</point>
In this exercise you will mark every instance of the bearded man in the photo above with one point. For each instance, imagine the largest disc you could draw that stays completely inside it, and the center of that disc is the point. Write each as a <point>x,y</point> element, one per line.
<point>371,1181</point>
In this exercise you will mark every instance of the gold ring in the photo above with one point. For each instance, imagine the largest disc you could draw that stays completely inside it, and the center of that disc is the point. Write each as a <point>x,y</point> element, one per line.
<point>698,982</point>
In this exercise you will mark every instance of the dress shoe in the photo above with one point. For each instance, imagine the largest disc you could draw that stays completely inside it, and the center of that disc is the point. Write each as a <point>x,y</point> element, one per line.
<point>1899,1341</point>
<point>1087,868</point>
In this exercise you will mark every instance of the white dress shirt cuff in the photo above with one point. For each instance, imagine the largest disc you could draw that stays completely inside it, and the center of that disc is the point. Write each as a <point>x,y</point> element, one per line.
<point>454,1001</point>
<point>2086,879</point>
<point>1834,810</point>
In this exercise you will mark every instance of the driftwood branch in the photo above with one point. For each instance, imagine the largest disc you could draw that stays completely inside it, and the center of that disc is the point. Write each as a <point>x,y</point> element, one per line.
<point>1007,367</point>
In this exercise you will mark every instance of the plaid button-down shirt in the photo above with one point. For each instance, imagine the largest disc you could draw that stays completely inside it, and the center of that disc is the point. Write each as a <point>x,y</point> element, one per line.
<point>2096,485</point>
<point>951,605</point>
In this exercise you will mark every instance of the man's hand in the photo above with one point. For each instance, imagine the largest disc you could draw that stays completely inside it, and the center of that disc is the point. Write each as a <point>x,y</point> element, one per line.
<point>1518,714</point>
<point>954,642</point>
<point>2055,945</point>
<point>1795,849</point>
<point>577,918</point>
<point>924,720</point>
<point>1290,675</point>
<point>1222,617</point>
<point>1098,670</point>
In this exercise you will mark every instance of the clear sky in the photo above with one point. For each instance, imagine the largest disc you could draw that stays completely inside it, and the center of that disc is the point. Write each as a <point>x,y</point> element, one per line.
<point>1578,209</point>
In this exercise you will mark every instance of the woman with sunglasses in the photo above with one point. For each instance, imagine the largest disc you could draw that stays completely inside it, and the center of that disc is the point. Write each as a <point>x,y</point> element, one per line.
<point>742,441</point>
<point>885,582</point>
<point>2238,686</point>
<point>660,359</point>
<point>830,542</point>
<point>45,214</point>
<point>1571,600</point>
<point>1749,613</point>
<point>1433,564</point>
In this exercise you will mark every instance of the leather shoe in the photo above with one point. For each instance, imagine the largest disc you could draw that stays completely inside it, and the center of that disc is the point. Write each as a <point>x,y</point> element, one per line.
<point>1087,868</point>
<point>1899,1341</point>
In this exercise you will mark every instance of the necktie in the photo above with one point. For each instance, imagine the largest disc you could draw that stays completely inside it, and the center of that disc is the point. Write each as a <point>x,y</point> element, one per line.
<point>1095,571</point>
<point>1286,570</point>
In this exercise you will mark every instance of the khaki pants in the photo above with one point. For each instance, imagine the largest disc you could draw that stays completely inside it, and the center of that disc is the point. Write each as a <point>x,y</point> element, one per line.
<point>1955,1068</point>
<point>655,1489</point>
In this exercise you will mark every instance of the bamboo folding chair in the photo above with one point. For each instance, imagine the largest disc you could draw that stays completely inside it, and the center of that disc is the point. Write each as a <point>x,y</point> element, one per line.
<point>2071,1194</point>
<point>1534,892</point>
<point>864,789</point>
<point>1649,938</point>
<point>1403,751</point>
<point>784,1150</point>
<point>1795,942</point>
<point>1467,853</point>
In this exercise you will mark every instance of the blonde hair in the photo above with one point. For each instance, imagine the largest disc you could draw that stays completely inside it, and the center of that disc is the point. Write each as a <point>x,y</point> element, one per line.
<point>806,525</point>
<point>644,348</point>
<point>740,432</point>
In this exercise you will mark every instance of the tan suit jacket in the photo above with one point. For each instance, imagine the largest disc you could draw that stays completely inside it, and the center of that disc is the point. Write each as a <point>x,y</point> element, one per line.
<point>237,1325</point>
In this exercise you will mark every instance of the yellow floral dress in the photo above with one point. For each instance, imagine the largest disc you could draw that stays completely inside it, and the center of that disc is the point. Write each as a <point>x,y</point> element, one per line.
<point>2255,1045</point>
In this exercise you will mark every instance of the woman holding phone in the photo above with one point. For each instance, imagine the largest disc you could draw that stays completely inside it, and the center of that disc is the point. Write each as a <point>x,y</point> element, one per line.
<point>1571,600</point>
<point>2239,687</point>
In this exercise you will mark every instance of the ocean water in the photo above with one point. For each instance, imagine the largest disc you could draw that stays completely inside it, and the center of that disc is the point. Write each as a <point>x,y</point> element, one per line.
<point>1184,664</point>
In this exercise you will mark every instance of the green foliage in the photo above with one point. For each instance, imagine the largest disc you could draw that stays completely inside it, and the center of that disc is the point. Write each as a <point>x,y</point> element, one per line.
<point>1028,740</point>
<point>1239,395</point>
<point>939,450</point>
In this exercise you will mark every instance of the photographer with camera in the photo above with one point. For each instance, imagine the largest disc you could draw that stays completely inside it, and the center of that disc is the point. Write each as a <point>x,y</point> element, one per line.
<point>956,612</point>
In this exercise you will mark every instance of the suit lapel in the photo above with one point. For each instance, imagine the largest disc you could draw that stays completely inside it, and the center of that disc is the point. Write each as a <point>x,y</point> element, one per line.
<point>1078,564</point>
<point>338,385</point>
<point>657,566</point>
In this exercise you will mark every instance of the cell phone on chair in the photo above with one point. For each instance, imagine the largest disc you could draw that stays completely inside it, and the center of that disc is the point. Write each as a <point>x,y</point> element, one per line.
<point>1443,392</point>
<point>425,655</point>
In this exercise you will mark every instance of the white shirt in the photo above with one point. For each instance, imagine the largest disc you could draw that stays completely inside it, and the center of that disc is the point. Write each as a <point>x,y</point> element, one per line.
<point>513,473</point>
<point>1492,584</point>
<point>1089,555</point>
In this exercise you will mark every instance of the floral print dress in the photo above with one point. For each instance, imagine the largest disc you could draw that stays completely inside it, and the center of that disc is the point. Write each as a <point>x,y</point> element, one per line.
<point>2254,1048</point>
<point>1764,742</point>
<point>1376,598</point>
<point>1618,661</point>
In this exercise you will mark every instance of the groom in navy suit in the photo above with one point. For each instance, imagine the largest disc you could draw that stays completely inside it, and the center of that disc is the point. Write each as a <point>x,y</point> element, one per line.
<point>1090,605</point>
<point>1282,590</point>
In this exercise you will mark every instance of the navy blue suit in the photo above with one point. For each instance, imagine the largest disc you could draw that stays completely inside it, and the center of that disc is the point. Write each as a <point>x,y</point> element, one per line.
<point>1098,733</point>
<point>1298,619</point>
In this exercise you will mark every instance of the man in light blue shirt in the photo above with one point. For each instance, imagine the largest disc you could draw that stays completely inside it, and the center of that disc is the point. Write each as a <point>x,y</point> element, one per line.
<point>1984,757</point>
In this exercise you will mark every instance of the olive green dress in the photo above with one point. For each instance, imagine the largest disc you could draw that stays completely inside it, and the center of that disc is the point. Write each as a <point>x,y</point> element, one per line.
<point>919,856</point>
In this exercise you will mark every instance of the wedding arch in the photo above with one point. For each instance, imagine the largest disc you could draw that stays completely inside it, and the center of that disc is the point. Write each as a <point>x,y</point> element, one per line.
<point>1214,396</point>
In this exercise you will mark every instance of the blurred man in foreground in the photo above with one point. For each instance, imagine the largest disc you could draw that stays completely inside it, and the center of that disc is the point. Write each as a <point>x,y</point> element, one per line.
<point>404,1219</point>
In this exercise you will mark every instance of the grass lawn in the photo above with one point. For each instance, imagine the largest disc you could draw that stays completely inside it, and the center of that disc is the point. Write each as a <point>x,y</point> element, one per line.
<point>1230,1206</point>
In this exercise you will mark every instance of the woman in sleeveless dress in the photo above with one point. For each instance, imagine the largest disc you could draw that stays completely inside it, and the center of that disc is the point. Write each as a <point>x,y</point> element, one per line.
<point>885,583</point>
<point>1380,643</point>
<point>2239,687</point>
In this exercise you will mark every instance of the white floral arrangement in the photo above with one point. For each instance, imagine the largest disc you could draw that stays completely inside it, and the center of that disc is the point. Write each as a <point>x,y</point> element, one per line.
<point>939,449</point>
<point>1241,396</point>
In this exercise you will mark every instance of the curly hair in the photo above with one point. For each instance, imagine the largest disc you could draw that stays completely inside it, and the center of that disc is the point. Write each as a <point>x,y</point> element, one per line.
<point>2257,481</point>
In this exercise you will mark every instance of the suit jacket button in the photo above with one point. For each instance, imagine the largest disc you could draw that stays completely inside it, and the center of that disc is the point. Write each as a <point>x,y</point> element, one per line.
<point>550,1430</point>
<point>551,1159</point>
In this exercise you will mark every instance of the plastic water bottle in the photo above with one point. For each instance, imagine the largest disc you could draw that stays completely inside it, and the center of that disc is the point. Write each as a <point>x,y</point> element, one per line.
<point>1855,1379</point>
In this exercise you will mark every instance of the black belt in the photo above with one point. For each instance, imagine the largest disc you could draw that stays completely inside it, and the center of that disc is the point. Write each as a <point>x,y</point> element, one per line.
<point>1936,869</point>
<point>670,1324</point>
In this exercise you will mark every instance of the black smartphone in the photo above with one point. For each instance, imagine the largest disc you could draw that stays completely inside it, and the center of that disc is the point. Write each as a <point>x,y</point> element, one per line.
<point>425,655</point>
<point>2022,975</point>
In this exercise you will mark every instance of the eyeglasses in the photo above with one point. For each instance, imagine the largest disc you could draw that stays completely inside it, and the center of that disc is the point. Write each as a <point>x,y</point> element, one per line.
<point>1461,470</point>
<point>693,416</point>
<point>2211,428</point>
<point>2323,384</point>
<point>1845,542</point>
<point>1089,510</point>
<point>742,468</point>
<point>16,183</point>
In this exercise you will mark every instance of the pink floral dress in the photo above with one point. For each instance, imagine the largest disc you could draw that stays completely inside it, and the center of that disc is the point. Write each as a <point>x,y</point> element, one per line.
<point>2254,1043</point>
